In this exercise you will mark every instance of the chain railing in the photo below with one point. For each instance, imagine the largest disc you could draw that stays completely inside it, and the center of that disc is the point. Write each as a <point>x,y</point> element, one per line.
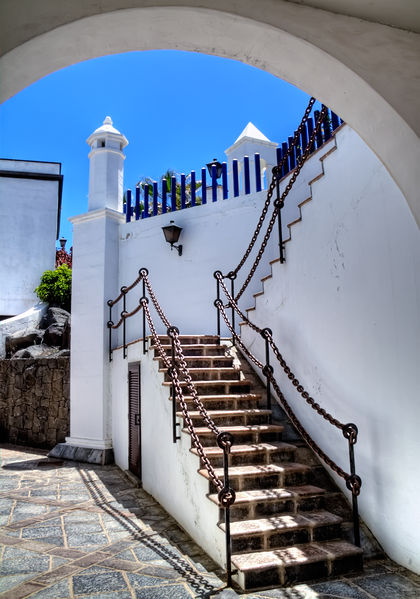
<point>176,366</point>
<point>349,431</point>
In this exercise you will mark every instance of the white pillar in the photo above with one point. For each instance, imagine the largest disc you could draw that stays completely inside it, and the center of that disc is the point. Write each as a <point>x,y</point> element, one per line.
<point>250,142</point>
<point>106,167</point>
<point>94,281</point>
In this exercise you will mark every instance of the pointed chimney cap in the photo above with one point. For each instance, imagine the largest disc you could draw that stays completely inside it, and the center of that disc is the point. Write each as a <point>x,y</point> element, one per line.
<point>252,132</point>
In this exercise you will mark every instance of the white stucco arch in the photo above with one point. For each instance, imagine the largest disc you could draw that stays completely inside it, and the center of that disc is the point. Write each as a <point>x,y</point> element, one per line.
<point>366,72</point>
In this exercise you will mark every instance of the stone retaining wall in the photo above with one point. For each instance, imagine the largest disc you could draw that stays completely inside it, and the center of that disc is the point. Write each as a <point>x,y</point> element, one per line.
<point>35,401</point>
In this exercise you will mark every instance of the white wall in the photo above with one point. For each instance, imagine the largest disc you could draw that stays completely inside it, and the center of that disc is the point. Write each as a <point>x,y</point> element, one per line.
<point>28,231</point>
<point>169,470</point>
<point>95,263</point>
<point>345,313</point>
<point>214,236</point>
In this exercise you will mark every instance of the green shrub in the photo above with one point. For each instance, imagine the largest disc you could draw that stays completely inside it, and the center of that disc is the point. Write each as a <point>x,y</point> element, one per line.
<point>55,287</point>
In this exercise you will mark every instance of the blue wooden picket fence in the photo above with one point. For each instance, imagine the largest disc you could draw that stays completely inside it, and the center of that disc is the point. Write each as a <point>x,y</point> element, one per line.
<point>150,201</point>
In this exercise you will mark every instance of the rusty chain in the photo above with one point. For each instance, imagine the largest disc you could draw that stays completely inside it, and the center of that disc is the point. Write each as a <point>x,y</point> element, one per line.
<point>279,202</point>
<point>124,290</point>
<point>181,363</point>
<point>277,173</point>
<point>155,302</point>
<point>267,335</point>
<point>353,482</point>
<point>181,401</point>
<point>143,275</point>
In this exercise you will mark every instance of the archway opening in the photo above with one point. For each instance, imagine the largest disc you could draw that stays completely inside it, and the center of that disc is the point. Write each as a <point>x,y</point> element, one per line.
<point>178,110</point>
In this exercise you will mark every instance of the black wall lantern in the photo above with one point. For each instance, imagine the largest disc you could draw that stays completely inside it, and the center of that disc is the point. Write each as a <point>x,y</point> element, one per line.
<point>218,166</point>
<point>172,233</point>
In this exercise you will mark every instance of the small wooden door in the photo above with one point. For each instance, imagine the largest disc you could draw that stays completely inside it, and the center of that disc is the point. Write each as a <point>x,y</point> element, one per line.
<point>134,428</point>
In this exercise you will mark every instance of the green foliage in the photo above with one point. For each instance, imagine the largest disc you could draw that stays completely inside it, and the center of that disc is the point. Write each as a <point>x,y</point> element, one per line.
<point>55,287</point>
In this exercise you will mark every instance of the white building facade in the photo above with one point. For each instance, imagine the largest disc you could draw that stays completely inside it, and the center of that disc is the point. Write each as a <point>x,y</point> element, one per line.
<point>30,207</point>
<point>342,282</point>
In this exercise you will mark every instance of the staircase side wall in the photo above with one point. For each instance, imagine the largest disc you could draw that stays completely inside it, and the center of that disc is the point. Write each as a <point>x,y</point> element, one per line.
<point>344,310</point>
<point>169,470</point>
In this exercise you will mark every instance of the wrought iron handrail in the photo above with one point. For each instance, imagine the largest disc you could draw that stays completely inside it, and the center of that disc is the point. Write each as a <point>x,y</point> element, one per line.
<point>174,366</point>
<point>350,431</point>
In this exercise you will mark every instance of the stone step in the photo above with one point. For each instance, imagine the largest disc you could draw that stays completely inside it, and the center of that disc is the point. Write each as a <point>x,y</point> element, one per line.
<point>216,387</point>
<point>288,514</point>
<point>203,361</point>
<point>243,478</point>
<point>283,530</point>
<point>232,417</point>
<point>196,349</point>
<point>256,433</point>
<point>191,339</point>
<point>259,453</point>
<point>284,567</point>
<point>209,374</point>
<point>234,401</point>
<point>256,503</point>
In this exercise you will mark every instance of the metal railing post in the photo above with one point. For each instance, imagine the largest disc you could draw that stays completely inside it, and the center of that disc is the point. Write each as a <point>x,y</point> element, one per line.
<point>171,371</point>
<point>123,313</point>
<point>226,498</point>
<point>216,276</point>
<point>144,321</point>
<point>232,278</point>
<point>268,369</point>
<point>109,325</point>
<point>278,206</point>
<point>353,483</point>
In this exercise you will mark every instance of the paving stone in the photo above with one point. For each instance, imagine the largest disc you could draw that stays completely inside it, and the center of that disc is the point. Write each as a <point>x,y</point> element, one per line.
<point>23,590</point>
<point>164,592</point>
<point>102,569</point>
<point>126,555</point>
<point>113,595</point>
<point>226,594</point>
<point>121,564</point>
<point>96,583</point>
<point>389,586</point>
<point>83,540</point>
<point>161,572</point>
<point>58,561</point>
<point>60,590</point>
<point>21,561</point>
<point>9,582</point>
<point>146,554</point>
<point>39,532</point>
<point>167,563</point>
<point>340,588</point>
<point>140,580</point>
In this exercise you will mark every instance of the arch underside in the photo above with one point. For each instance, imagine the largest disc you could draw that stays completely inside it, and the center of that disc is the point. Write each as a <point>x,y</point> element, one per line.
<point>364,71</point>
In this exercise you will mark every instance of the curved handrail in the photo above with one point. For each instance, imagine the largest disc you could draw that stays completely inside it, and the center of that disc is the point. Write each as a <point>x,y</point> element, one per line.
<point>174,366</point>
<point>350,431</point>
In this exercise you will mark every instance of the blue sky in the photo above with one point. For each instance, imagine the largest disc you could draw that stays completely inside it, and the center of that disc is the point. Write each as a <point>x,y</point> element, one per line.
<point>178,110</point>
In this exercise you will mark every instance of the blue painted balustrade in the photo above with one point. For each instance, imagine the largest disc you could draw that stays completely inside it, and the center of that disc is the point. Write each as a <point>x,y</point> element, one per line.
<point>166,200</point>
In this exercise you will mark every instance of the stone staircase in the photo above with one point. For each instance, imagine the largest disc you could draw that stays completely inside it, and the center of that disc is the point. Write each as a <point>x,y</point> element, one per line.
<point>289,521</point>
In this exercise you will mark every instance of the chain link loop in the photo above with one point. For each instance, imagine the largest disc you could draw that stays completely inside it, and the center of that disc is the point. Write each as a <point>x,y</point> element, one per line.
<point>267,334</point>
<point>287,408</point>
<point>277,170</point>
<point>277,208</point>
<point>181,401</point>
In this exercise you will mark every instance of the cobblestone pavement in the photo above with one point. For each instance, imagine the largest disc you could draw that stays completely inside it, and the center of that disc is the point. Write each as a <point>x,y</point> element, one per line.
<point>77,531</point>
